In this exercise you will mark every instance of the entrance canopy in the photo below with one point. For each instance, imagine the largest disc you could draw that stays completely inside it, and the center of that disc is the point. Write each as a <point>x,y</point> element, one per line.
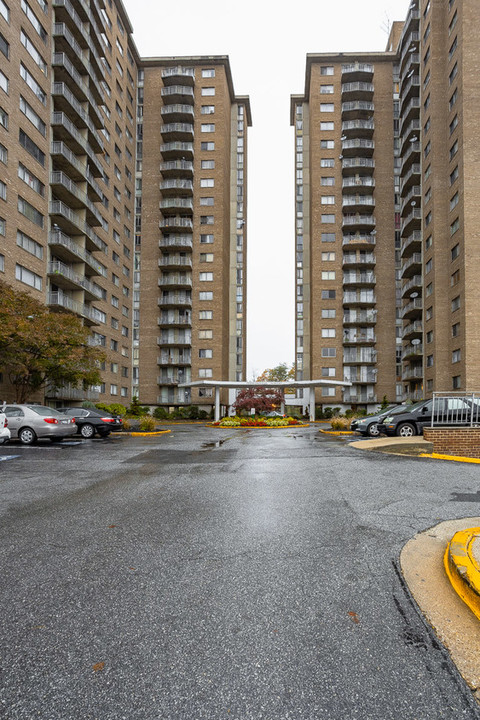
<point>289,384</point>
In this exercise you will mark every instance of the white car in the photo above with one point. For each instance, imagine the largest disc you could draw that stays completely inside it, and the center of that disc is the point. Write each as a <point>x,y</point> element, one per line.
<point>4,431</point>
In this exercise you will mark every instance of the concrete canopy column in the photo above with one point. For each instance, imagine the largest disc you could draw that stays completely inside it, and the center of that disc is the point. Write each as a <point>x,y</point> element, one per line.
<point>311,403</point>
<point>217,403</point>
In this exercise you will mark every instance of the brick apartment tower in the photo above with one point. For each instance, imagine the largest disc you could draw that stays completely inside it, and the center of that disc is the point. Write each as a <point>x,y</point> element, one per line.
<point>192,221</point>
<point>386,292</point>
<point>71,193</point>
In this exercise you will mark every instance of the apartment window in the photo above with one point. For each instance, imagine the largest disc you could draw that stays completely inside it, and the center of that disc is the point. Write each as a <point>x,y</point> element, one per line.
<point>4,11</point>
<point>426,104</point>
<point>329,294</point>
<point>428,219</point>
<point>428,266</point>
<point>2,263</point>
<point>456,382</point>
<point>328,256</point>
<point>205,315</point>
<point>428,242</point>
<point>327,144</point>
<point>327,107</point>
<point>206,276</point>
<point>430,360</point>
<point>207,146</point>
<point>208,73</point>
<point>205,372</point>
<point>205,334</point>
<point>328,219</point>
<point>329,352</point>
<point>427,80</point>
<point>426,33</point>
<point>205,295</point>
<point>328,372</point>
<point>454,226</point>
<point>327,162</point>
<point>4,46</point>
<point>328,200</point>
<point>35,119</point>
<point>206,257</point>
<point>328,332</point>
<point>207,127</point>
<point>455,252</point>
<point>453,74</point>
<point>3,190</point>
<point>3,226</point>
<point>206,239</point>
<point>30,212</point>
<point>429,313</point>
<point>208,91</point>
<point>28,277</point>
<point>326,70</point>
<point>327,126</point>
<point>428,172</point>
<point>456,329</point>
<point>31,180</point>
<point>326,89</point>
<point>426,56</point>
<point>428,195</point>
<point>453,124</point>
<point>327,181</point>
<point>208,109</point>
<point>328,237</point>
<point>34,20</point>
<point>453,99</point>
<point>453,47</point>
<point>328,275</point>
<point>455,303</point>
<point>33,52</point>
<point>453,175</point>
<point>455,278</point>
<point>328,314</point>
<point>453,22</point>
<point>429,290</point>
<point>207,183</point>
<point>205,353</point>
<point>429,336</point>
<point>456,356</point>
<point>426,127</point>
<point>428,147</point>
<point>206,220</point>
<point>3,82</point>
<point>31,147</point>
<point>454,149</point>
<point>454,201</point>
<point>3,118</point>
<point>208,164</point>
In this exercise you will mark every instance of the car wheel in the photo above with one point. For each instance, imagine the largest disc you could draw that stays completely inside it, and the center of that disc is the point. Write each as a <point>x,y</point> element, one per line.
<point>87,431</point>
<point>406,430</point>
<point>373,430</point>
<point>27,436</point>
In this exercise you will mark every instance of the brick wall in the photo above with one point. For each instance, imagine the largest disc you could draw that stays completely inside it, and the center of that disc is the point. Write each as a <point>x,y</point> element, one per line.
<point>463,441</point>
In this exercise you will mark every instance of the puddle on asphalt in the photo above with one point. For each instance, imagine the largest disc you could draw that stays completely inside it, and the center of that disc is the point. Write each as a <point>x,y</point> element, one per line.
<point>216,444</point>
<point>465,497</point>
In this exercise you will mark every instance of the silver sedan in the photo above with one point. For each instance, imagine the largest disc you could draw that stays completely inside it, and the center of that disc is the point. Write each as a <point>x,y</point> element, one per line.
<point>29,422</point>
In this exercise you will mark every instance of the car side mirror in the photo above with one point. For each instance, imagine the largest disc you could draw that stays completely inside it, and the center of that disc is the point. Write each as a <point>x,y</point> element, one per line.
<point>424,409</point>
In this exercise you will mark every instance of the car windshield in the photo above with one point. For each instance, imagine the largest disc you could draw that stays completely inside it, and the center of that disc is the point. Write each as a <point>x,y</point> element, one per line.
<point>43,410</point>
<point>408,408</point>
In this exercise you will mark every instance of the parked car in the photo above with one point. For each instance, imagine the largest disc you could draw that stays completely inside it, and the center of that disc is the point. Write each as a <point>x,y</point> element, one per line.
<point>368,425</point>
<point>4,431</point>
<point>274,413</point>
<point>29,422</point>
<point>410,420</point>
<point>90,422</point>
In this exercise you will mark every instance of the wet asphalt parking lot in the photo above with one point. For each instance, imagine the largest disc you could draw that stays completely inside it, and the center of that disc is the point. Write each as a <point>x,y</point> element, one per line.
<point>210,574</point>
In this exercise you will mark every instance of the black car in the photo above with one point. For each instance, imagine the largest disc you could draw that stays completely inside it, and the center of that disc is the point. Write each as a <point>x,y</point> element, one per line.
<point>90,422</point>
<point>408,420</point>
<point>368,425</point>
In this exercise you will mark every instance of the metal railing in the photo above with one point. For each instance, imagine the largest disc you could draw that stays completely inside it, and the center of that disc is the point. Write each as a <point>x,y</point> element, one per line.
<point>455,409</point>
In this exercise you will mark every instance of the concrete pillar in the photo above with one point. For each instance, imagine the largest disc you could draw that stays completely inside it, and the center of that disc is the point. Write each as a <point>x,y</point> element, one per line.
<point>217,404</point>
<point>282,404</point>
<point>311,403</point>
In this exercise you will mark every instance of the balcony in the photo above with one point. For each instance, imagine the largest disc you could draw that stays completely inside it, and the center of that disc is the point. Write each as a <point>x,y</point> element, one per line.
<point>174,377</point>
<point>359,336</point>
<point>174,299</point>
<point>67,161</point>
<point>412,351</point>
<point>357,109</point>
<point>358,182</point>
<point>175,280</point>
<point>174,357</point>
<point>410,132</point>
<point>73,224</point>
<point>177,113</point>
<point>362,297</point>
<point>66,101</point>
<point>65,248</point>
<point>415,194</point>
<point>360,317</point>
<point>359,90</point>
<point>351,259</point>
<point>359,356</point>
<point>171,396</point>
<point>360,165</point>
<point>177,131</point>
<point>65,277</point>
<point>359,278</point>
<point>412,309</point>
<point>413,330</point>
<point>178,94</point>
<point>412,372</point>
<point>359,241</point>
<point>410,42</point>
<point>411,244</point>
<point>357,71</point>
<point>177,151</point>
<point>412,221</point>
<point>72,393</point>
<point>359,375</point>
<point>358,146</point>
<point>177,169</point>
<point>174,262</point>
<point>176,187</point>
<point>358,201</point>
<point>412,266</point>
<point>358,128</point>
<point>176,241</point>
<point>415,284</point>
<point>412,155</point>
<point>64,302</point>
<point>409,112</point>
<point>412,177</point>
<point>178,76</point>
<point>363,398</point>
<point>175,222</point>
<point>412,64</point>
<point>65,71</point>
<point>173,205</point>
<point>65,189</point>
<point>410,88</point>
<point>358,220</point>
<point>175,337</point>
<point>175,318</point>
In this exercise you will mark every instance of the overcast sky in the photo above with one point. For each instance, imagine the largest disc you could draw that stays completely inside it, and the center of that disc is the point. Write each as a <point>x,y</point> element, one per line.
<point>267,44</point>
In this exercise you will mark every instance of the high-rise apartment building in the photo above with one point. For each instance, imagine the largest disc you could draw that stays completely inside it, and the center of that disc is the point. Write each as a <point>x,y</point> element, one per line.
<point>386,232</point>
<point>102,194</point>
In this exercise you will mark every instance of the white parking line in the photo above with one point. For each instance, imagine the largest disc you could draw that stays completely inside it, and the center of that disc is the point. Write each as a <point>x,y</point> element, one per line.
<point>8,457</point>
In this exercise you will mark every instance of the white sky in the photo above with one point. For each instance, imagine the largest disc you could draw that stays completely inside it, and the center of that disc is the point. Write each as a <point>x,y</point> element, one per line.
<point>267,44</point>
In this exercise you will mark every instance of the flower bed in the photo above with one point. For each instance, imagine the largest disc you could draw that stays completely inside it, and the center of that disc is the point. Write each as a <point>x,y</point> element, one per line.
<point>256,422</point>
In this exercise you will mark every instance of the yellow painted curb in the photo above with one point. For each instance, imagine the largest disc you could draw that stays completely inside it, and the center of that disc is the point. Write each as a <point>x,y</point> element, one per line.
<point>462,569</point>
<point>457,458</point>
<point>147,434</point>
<point>251,427</point>
<point>337,432</point>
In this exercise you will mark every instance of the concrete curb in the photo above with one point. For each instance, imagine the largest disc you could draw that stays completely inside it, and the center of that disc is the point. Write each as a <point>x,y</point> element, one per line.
<point>133,433</point>
<point>462,568</point>
<point>246,427</point>
<point>337,432</point>
<point>457,458</point>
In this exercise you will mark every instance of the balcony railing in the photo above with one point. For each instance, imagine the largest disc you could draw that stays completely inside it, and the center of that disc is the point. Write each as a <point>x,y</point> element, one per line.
<point>360,317</point>
<point>56,268</point>
<point>176,241</point>
<point>59,299</point>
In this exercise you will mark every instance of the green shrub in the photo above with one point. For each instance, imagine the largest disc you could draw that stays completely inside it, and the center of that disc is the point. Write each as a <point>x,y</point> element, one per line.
<point>160,413</point>
<point>202,415</point>
<point>137,410</point>
<point>88,405</point>
<point>340,424</point>
<point>127,425</point>
<point>147,424</point>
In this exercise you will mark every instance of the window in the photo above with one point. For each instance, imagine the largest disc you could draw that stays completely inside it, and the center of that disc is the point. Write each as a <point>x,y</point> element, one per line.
<point>328,237</point>
<point>208,109</point>
<point>208,72</point>
<point>4,10</point>
<point>428,266</point>
<point>326,89</point>
<point>327,144</point>
<point>205,372</point>
<point>206,276</point>
<point>328,256</point>
<point>207,183</point>
<point>328,314</point>
<point>3,226</point>
<point>34,20</point>
<point>429,313</point>
<point>329,352</point>
<point>33,52</point>
<point>205,334</point>
<point>208,91</point>
<point>206,239</point>
<point>31,180</point>
<point>328,200</point>
<point>456,382</point>
<point>455,278</point>
<point>327,126</point>
<point>455,303</point>
<point>205,315</point>
<point>453,124</point>
<point>430,360</point>
<point>208,164</point>
<point>4,46</point>
<point>207,127</point>
<point>429,336</point>
<point>30,113</point>
<point>453,99</point>
<point>453,22</point>
<point>205,295</point>
<point>3,190</point>
<point>3,82</point>
<point>328,275</point>
<point>454,201</point>
<point>428,148</point>
<point>329,294</point>
<point>326,70</point>
<point>453,175</point>
<point>206,257</point>
<point>206,219</point>
<point>328,332</point>
<point>207,146</point>
<point>429,290</point>
<point>428,219</point>
<point>3,118</point>
<point>328,391</point>
<point>327,181</point>
<point>327,162</point>
<point>455,252</point>
<point>456,329</point>
<point>454,226</point>
<point>456,356</point>
<point>428,242</point>
<point>2,263</point>
<point>28,277</point>
<point>327,107</point>
<point>31,147</point>
<point>328,372</point>
<point>328,219</point>
<point>205,353</point>
<point>30,212</point>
